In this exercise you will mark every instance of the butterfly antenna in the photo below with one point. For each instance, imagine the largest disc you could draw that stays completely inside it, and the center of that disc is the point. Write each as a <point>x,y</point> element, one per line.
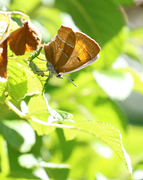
<point>71,80</point>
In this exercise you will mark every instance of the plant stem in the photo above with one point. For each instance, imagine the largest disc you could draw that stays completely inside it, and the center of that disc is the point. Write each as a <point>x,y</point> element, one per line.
<point>12,12</point>
<point>28,117</point>
<point>15,109</point>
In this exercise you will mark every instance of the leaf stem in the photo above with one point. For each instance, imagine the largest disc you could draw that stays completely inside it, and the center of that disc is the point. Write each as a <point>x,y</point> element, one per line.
<point>25,116</point>
<point>12,12</point>
<point>15,109</point>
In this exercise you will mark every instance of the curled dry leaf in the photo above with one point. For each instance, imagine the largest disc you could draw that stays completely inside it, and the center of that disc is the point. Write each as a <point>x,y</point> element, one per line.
<point>25,38</point>
<point>3,61</point>
<point>3,54</point>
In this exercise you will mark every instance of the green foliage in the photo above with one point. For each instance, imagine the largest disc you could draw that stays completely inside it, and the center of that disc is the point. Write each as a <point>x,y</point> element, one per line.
<point>50,129</point>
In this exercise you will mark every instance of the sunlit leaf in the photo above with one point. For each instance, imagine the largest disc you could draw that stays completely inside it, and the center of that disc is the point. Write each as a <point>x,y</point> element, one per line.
<point>110,35</point>
<point>37,103</point>
<point>34,84</point>
<point>124,2</point>
<point>133,50</point>
<point>28,161</point>
<point>117,85</point>
<point>137,77</point>
<point>11,136</point>
<point>3,89</point>
<point>105,132</point>
<point>17,80</point>
<point>56,171</point>
<point>24,135</point>
<point>24,6</point>
<point>136,35</point>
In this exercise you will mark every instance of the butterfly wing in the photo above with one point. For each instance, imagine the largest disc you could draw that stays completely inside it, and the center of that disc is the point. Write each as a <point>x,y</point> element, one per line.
<point>85,53</point>
<point>60,49</point>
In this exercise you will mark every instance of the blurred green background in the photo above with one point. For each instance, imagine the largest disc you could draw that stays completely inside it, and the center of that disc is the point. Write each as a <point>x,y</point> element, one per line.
<point>110,91</point>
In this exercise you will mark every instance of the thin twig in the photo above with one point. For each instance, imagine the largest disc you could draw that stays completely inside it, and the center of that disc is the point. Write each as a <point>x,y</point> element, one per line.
<point>12,12</point>
<point>28,117</point>
<point>17,111</point>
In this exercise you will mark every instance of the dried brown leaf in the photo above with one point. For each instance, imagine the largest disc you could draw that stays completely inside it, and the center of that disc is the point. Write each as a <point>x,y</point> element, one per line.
<point>3,54</point>
<point>3,61</point>
<point>25,38</point>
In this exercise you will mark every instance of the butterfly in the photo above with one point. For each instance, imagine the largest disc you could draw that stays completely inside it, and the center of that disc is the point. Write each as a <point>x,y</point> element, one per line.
<point>70,51</point>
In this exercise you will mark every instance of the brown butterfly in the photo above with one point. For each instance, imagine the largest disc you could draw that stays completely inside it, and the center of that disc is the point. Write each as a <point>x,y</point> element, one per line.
<point>70,51</point>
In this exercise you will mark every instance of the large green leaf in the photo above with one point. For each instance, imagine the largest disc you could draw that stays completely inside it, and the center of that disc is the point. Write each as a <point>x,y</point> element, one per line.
<point>17,80</point>
<point>3,177</point>
<point>48,21</point>
<point>24,6</point>
<point>105,132</point>
<point>117,85</point>
<point>34,84</point>
<point>19,134</point>
<point>38,109</point>
<point>3,92</point>
<point>94,18</point>
<point>124,2</point>
<point>102,21</point>
<point>11,136</point>
<point>56,171</point>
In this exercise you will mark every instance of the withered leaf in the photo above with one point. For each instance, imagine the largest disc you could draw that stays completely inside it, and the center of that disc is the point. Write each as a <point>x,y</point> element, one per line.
<point>3,61</point>
<point>3,54</point>
<point>25,38</point>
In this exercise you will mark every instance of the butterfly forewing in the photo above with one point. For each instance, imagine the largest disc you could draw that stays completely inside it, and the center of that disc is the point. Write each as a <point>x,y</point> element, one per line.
<point>61,47</point>
<point>84,51</point>
<point>65,39</point>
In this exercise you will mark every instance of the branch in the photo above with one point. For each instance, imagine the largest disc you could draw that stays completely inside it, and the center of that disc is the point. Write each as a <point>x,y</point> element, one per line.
<point>25,116</point>
<point>12,12</point>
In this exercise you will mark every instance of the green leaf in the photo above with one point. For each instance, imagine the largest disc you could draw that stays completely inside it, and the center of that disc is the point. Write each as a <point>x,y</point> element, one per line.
<point>56,171</point>
<point>102,21</point>
<point>17,80</point>
<point>116,84</point>
<point>25,6</point>
<point>133,51</point>
<point>20,131</point>
<point>49,21</point>
<point>3,177</point>
<point>11,136</point>
<point>105,132</point>
<point>38,109</point>
<point>108,134</point>
<point>65,115</point>
<point>34,84</point>
<point>136,35</point>
<point>98,28</point>
<point>36,104</point>
<point>28,161</point>
<point>137,77</point>
<point>134,135</point>
<point>124,2</point>
<point>21,81</point>
<point>4,161</point>
<point>3,92</point>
